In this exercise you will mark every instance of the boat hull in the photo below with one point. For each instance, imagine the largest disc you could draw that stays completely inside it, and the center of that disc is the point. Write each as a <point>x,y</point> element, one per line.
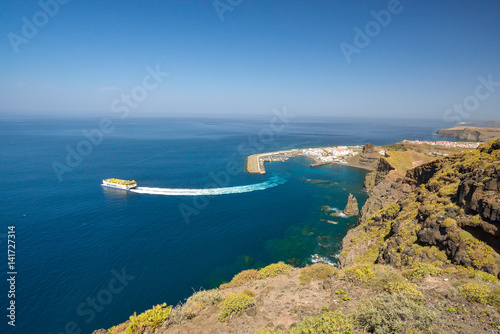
<point>119,184</point>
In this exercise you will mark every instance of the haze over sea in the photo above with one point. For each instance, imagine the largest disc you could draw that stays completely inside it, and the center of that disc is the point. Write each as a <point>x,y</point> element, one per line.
<point>74,237</point>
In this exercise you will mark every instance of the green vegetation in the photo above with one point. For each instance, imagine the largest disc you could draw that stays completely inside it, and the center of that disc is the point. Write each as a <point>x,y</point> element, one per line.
<point>234,304</point>
<point>449,223</point>
<point>339,292</point>
<point>274,269</point>
<point>150,318</point>
<point>480,253</point>
<point>419,270</point>
<point>248,293</point>
<point>112,330</point>
<point>475,292</point>
<point>241,278</point>
<point>319,271</point>
<point>395,287</point>
<point>358,273</point>
<point>476,220</point>
<point>395,313</point>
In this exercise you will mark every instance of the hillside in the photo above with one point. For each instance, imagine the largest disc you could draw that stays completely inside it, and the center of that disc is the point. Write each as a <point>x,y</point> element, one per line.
<point>447,210</point>
<point>423,259</point>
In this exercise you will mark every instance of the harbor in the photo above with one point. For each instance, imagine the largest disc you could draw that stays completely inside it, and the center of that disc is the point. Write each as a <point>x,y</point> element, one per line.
<point>320,156</point>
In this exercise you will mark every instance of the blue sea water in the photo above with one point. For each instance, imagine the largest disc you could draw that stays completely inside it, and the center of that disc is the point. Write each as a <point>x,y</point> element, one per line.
<point>88,257</point>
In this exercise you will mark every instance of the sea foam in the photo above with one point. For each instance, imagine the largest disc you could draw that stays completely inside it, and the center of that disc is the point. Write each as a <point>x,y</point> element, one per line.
<point>272,182</point>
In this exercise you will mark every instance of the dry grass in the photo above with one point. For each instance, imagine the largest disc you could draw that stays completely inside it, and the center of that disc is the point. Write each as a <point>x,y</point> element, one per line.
<point>317,271</point>
<point>194,305</point>
<point>241,278</point>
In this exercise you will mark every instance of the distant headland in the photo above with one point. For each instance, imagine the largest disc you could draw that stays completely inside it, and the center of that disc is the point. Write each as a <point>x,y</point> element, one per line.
<point>473,131</point>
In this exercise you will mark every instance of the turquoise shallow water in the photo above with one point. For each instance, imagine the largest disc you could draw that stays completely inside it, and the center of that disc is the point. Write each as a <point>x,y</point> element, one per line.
<point>89,256</point>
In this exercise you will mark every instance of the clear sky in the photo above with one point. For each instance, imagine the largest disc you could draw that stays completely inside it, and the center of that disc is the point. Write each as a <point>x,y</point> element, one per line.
<point>418,61</point>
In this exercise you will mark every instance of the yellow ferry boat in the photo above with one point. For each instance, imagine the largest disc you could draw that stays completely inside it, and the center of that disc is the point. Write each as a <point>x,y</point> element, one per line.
<point>119,184</point>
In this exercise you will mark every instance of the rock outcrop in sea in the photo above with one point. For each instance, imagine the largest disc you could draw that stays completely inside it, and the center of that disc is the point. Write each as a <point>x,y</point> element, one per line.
<point>351,208</point>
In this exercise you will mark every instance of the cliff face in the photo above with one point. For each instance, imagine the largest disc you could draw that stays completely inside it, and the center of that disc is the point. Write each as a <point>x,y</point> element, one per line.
<point>443,211</point>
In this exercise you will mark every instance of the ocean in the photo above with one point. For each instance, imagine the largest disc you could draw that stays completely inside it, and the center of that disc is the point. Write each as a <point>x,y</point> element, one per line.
<point>88,257</point>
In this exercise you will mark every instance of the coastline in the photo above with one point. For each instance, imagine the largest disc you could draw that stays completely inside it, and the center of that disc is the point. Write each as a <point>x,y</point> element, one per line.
<point>394,208</point>
<point>319,155</point>
<point>354,156</point>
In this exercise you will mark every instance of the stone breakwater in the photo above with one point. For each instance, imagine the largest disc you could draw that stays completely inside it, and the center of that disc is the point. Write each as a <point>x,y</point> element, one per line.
<point>320,156</point>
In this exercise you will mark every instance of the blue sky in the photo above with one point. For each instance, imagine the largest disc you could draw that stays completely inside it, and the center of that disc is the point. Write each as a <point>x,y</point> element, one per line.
<point>262,55</point>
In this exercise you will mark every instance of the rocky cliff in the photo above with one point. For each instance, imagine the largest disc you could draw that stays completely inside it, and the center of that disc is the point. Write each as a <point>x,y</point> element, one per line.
<point>445,211</point>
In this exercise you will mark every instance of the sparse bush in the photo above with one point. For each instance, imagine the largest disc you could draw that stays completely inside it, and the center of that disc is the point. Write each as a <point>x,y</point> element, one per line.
<point>358,273</point>
<point>241,278</point>
<point>327,323</point>
<point>419,270</point>
<point>480,253</point>
<point>274,269</point>
<point>112,330</point>
<point>449,222</point>
<point>476,220</point>
<point>150,318</point>
<point>234,304</point>
<point>340,292</point>
<point>318,271</point>
<point>475,292</point>
<point>395,287</point>
<point>396,313</point>
<point>248,293</point>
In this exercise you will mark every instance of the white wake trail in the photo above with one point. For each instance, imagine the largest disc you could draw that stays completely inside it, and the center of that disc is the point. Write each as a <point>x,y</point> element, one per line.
<point>272,182</point>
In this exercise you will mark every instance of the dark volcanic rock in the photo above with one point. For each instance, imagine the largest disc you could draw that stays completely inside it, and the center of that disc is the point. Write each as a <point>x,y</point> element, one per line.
<point>478,194</point>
